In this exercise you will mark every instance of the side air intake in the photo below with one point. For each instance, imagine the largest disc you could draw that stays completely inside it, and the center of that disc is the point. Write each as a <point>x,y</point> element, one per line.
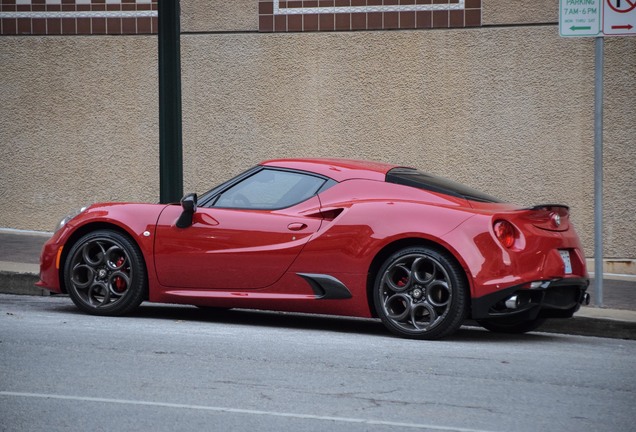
<point>326,287</point>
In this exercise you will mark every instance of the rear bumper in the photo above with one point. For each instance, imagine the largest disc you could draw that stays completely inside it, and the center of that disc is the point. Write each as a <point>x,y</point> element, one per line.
<point>554,298</point>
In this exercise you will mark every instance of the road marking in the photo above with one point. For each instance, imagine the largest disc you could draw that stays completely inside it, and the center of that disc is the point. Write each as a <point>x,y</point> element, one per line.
<point>240,411</point>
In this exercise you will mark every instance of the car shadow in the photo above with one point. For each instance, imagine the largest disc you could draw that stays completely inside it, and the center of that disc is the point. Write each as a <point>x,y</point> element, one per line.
<point>469,332</point>
<point>252,317</point>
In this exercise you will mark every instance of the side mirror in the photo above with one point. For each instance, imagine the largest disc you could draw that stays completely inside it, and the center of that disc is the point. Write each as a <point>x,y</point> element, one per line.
<point>189,205</point>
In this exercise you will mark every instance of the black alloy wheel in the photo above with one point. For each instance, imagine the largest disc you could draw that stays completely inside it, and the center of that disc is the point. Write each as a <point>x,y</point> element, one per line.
<point>421,293</point>
<point>105,273</point>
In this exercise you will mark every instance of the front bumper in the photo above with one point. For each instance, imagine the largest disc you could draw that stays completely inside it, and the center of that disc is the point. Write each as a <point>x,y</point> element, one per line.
<point>49,266</point>
<point>554,298</point>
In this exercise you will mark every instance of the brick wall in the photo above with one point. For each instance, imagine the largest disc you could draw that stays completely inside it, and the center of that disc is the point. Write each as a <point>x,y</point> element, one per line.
<point>77,17</point>
<point>343,15</point>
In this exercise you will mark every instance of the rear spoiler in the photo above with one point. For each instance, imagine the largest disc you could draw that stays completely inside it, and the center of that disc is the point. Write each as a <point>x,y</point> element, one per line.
<point>546,206</point>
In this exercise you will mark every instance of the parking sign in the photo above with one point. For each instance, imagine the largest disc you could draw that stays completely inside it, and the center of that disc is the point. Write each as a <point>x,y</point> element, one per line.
<point>597,18</point>
<point>580,17</point>
<point>619,17</point>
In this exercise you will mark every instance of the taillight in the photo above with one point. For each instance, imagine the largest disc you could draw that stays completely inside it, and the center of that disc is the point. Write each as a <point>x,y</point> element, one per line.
<point>505,232</point>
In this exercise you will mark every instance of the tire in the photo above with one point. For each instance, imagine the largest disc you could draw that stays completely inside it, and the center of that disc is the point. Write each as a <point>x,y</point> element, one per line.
<point>105,274</point>
<point>421,293</point>
<point>511,326</point>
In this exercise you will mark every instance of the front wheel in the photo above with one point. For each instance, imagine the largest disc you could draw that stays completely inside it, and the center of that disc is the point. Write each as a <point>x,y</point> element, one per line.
<point>421,293</point>
<point>105,273</point>
<point>511,325</point>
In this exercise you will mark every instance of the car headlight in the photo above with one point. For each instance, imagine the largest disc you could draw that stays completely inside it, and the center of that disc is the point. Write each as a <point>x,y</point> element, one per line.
<point>66,219</point>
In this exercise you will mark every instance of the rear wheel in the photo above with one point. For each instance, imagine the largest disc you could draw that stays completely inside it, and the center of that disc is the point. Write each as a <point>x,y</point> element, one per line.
<point>105,273</point>
<point>421,293</point>
<point>511,325</point>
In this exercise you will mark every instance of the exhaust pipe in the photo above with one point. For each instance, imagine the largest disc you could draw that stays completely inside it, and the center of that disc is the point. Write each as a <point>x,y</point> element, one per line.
<point>512,302</point>
<point>585,300</point>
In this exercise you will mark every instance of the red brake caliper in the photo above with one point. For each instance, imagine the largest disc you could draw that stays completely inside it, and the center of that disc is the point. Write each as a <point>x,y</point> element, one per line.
<point>120,284</point>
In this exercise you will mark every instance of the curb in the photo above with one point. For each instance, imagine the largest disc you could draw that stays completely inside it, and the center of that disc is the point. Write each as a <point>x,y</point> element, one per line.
<point>586,326</point>
<point>20,283</point>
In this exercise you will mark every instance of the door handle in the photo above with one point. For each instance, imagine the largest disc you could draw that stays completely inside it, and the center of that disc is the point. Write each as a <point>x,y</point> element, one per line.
<point>296,226</point>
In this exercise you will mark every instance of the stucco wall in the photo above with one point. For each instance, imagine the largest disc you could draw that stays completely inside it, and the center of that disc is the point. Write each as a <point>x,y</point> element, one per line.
<point>78,124</point>
<point>619,147</point>
<point>506,109</point>
<point>497,12</point>
<point>219,15</point>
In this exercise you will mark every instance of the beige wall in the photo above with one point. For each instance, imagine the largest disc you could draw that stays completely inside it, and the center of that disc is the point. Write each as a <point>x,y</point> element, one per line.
<point>78,125</point>
<point>219,15</point>
<point>620,147</point>
<point>498,12</point>
<point>506,109</point>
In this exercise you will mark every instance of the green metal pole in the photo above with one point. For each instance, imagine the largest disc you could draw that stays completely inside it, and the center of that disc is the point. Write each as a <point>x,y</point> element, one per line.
<point>170,132</point>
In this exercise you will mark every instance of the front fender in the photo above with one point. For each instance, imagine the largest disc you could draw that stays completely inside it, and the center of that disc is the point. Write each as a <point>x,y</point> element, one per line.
<point>138,221</point>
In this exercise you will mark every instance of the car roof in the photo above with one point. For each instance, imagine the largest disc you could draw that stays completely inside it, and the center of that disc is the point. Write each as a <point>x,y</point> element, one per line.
<point>337,169</point>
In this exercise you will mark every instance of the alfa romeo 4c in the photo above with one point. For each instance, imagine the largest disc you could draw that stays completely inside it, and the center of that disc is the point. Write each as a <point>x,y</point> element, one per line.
<point>339,237</point>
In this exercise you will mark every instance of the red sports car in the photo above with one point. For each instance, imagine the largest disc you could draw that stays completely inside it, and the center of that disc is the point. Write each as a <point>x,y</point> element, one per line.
<point>326,236</point>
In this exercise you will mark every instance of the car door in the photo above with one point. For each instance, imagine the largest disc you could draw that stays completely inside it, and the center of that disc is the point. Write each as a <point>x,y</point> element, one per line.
<point>247,236</point>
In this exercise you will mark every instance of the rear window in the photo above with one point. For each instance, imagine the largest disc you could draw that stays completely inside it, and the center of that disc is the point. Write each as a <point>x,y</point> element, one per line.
<point>421,180</point>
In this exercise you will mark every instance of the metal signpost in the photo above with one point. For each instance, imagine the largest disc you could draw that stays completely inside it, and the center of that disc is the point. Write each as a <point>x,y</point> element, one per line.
<point>597,18</point>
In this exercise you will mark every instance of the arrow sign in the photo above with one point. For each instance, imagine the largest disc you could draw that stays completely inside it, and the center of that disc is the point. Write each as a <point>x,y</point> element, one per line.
<point>574,28</point>
<point>623,27</point>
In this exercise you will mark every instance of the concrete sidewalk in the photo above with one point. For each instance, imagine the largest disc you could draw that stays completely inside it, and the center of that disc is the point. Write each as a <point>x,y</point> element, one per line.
<point>19,269</point>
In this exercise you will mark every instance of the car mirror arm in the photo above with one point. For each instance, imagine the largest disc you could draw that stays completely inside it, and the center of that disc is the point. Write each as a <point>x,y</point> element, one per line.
<point>189,204</point>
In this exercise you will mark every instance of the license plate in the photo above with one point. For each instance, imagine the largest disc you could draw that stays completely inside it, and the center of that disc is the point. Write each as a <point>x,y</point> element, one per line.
<point>565,255</point>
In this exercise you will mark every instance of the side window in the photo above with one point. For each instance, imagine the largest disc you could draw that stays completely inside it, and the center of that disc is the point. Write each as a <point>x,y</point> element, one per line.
<point>270,189</point>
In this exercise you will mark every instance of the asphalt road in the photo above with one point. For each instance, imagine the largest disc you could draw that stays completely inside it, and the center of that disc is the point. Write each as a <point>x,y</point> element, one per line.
<point>179,368</point>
